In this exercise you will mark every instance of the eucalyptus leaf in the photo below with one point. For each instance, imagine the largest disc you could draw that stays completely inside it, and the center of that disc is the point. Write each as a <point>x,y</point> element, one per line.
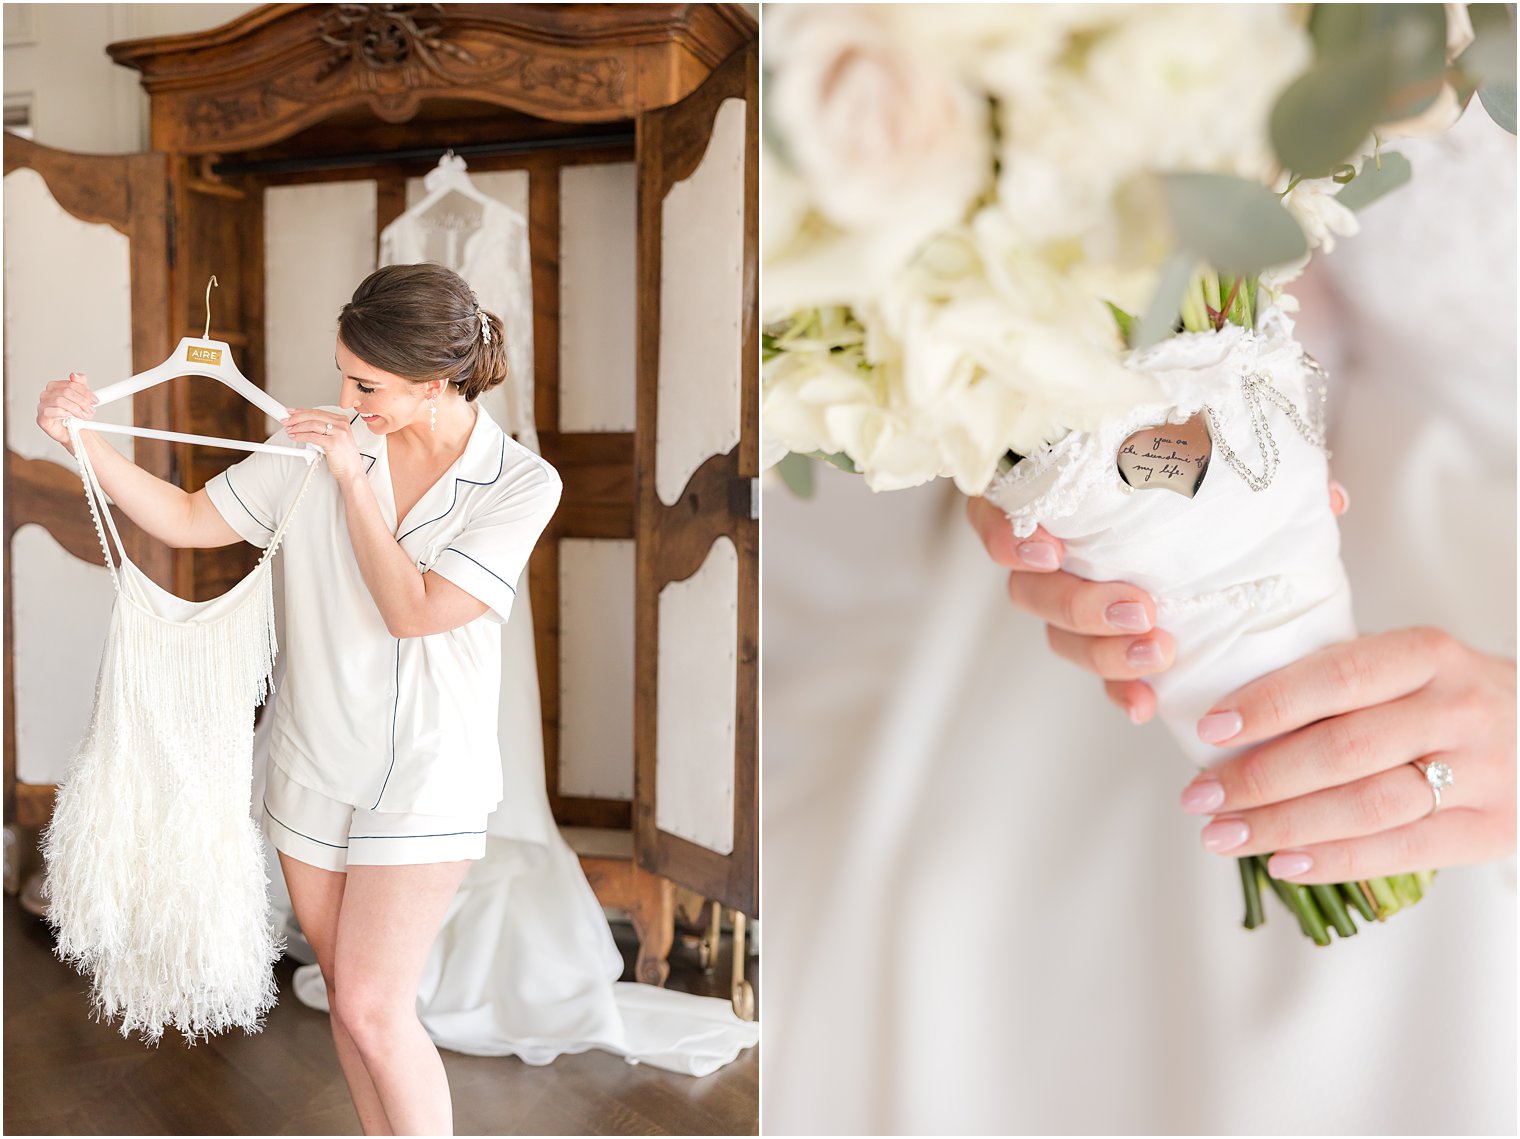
<point>1418,42</point>
<point>1124,320</point>
<point>1161,317</point>
<point>837,459</point>
<point>1328,112</point>
<point>796,472</point>
<point>1374,63</point>
<point>1235,226</point>
<point>1498,100</point>
<point>1339,30</point>
<point>1491,56</point>
<point>1490,60</point>
<point>1373,182</point>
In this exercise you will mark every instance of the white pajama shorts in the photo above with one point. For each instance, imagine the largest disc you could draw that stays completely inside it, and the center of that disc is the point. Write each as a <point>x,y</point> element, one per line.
<point>332,835</point>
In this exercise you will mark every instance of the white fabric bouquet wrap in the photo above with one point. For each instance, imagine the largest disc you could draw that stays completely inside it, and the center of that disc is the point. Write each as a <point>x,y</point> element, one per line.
<point>1245,581</point>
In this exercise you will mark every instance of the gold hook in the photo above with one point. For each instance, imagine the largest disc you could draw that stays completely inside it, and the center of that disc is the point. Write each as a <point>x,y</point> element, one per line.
<point>208,306</point>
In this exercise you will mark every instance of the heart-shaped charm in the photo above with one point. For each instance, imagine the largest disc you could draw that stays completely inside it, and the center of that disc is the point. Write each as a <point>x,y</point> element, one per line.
<point>1172,456</point>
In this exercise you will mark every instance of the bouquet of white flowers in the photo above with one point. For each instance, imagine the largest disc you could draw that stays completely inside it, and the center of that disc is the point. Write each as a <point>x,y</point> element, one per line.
<point>1041,250</point>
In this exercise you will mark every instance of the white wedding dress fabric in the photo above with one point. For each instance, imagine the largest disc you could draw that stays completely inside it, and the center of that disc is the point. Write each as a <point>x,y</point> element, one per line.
<point>524,964</point>
<point>155,872</point>
<point>987,912</point>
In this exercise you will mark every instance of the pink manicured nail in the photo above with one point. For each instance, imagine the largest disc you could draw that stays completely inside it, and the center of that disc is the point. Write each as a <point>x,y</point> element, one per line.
<point>1224,834</point>
<point>1039,555</point>
<point>1135,716</point>
<point>1129,616</point>
<point>1144,654</point>
<point>1217,727</point>
<point>1337,489</point>
<point>1203,796</point>
<point>1289,864</point>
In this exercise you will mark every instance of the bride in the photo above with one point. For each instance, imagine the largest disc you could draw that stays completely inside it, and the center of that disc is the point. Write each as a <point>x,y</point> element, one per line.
<point>989,909</point>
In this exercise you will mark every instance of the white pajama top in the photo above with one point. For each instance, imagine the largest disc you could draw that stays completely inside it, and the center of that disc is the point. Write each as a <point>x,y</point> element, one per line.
<point>392,724</point>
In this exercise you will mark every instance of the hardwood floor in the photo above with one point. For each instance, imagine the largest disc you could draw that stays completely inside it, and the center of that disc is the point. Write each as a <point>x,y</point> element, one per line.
<point>67,1075</point>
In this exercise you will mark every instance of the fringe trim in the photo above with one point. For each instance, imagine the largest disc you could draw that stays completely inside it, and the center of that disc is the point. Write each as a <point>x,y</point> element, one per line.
<point>155,869</point>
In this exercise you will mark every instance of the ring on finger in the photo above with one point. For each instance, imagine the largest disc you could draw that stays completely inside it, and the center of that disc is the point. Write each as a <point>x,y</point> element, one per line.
<point>327,428</point>
<point>1437,775</point>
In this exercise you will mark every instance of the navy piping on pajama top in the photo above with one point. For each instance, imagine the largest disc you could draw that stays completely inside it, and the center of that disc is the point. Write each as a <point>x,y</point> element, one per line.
<point>371,458</point>
<point>244,505</point>
<point>462,554</point>
<point>395,707</point>
<point>501,464</point>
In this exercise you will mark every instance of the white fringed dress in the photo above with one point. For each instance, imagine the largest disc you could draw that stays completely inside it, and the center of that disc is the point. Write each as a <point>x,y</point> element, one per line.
<point>154,867</point>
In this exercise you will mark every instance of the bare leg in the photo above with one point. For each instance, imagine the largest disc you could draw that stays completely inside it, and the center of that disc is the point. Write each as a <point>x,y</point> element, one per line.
<point>386,926</point>
<point>317,895</point>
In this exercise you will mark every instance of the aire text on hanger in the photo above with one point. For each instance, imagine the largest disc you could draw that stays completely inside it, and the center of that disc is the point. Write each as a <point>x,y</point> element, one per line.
<point>198,356</point>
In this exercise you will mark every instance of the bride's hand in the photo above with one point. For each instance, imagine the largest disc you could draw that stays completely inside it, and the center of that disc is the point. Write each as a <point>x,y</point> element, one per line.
<point>1333,792</point>
<point>330,432</point>
<point>1106,627</point>
<point>60,400</point>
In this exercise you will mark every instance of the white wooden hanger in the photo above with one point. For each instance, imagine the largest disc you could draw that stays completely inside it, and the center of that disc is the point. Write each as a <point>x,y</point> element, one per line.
<point>198,356</point>
<point>449,177</point>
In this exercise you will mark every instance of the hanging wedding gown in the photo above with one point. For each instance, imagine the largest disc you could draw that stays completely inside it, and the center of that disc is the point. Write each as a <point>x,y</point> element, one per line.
<point>525,963</point>
<point>155,872</point>
<point>987,912</point>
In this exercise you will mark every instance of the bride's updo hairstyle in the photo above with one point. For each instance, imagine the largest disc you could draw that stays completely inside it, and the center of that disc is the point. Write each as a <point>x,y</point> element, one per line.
<point>422,322</point>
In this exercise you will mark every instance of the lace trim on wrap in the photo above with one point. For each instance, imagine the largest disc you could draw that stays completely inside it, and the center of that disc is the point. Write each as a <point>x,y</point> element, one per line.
<point>1263,593</point>
<point>1193,370</point>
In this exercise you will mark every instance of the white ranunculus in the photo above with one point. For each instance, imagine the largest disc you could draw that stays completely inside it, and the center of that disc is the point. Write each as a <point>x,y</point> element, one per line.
<point>883,136</point>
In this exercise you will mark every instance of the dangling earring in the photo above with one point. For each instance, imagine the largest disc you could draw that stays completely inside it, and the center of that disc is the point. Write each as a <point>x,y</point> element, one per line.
<point>432,413</point>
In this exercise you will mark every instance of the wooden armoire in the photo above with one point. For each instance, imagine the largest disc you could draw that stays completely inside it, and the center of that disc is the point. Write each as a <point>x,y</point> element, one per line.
<point>302,93</point>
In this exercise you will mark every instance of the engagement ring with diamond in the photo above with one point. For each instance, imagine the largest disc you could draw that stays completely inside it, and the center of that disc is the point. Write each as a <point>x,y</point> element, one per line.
<point>1437,775</point>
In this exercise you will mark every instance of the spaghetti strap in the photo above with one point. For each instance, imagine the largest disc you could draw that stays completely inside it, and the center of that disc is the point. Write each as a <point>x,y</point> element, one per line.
<point>95,495</point>
<point>279,533</point>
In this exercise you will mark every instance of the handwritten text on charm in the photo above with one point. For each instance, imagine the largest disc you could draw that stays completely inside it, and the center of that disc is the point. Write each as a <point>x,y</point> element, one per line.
<point>1172,456</point>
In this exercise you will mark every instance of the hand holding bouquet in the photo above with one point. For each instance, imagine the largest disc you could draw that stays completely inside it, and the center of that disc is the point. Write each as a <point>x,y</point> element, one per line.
<point>1041,251</point>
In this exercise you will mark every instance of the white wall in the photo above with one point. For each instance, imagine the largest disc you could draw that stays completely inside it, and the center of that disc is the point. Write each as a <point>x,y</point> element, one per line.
<point>81,100</point>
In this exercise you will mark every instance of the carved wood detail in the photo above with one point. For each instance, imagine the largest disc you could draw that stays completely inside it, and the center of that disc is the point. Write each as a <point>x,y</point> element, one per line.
<point>649,902</point>
<point>284,67</point>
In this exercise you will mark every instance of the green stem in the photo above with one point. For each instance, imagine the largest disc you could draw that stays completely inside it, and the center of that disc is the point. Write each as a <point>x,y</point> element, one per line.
<point>1251,885</point>
<point>1251,305</point>
<point>1211,289</point>
<point>1354,895</point>
<point>1301,902</point>
<point>1424,878</point>
<point>1194,318</point>
<point>1387,900</point>
<point>1406,888</point>
<point>1334,909</point>
<point>1232,301</point>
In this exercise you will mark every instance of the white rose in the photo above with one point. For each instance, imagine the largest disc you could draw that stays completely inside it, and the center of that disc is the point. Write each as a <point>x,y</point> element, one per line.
<point>882,135</point>
<point>1082,121</point>
<point>783,204</point>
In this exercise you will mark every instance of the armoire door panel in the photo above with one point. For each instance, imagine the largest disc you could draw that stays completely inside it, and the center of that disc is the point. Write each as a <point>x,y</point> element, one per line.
<point>129,193</point>
<point>695,637</point>
<point>70,310</point>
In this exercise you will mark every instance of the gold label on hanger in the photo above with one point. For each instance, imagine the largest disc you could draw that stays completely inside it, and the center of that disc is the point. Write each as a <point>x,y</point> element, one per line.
<point>203,355</point>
